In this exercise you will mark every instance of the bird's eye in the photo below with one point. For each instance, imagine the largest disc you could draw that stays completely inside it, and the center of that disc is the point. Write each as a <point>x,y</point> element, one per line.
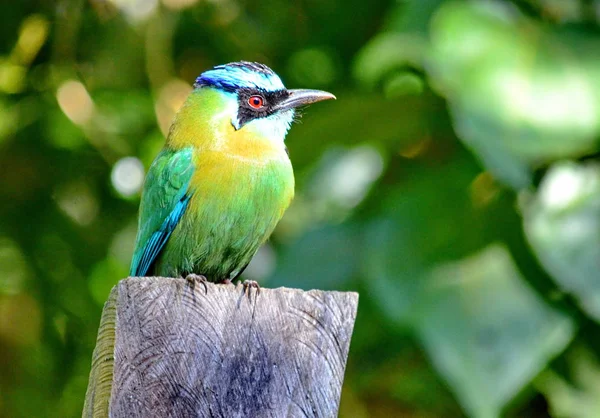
<point>256,102</point>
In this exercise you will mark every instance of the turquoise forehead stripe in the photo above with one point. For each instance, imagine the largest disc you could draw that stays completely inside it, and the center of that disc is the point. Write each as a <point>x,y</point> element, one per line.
<point>231,77</point>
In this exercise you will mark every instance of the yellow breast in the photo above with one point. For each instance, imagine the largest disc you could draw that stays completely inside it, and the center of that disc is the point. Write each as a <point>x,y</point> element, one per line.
<point>230,163</point>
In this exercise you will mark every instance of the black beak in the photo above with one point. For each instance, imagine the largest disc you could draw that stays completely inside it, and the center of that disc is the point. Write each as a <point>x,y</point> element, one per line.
<point>302,97</point>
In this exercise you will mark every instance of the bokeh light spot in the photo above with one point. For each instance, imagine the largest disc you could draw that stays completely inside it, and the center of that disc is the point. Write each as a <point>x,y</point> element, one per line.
<point>121,247</point>
<point>12,77</point>
<point>136,10</point>
<point>483,189</point>
<point>351,175</point>
<point>128,176</point>
<point>78,202</point>
<point>170,98</point>
<point>32,35</point>
<point>75,102</point>
<point>564,185</point>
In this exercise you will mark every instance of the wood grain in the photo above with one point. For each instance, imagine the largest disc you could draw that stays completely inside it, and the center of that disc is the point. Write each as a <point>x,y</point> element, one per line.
<point>167,349</point>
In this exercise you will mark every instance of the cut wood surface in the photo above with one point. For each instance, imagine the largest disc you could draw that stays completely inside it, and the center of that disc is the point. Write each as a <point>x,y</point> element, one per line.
<point>169,349</point>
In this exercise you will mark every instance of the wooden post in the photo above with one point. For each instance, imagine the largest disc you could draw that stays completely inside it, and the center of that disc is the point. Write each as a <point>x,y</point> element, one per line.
<point>169,349</point>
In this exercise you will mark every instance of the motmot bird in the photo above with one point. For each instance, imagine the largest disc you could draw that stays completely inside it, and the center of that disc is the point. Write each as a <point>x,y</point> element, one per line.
<point>223,180</point>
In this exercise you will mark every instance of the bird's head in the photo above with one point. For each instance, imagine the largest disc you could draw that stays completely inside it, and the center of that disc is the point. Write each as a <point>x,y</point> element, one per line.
<point>256,98</point>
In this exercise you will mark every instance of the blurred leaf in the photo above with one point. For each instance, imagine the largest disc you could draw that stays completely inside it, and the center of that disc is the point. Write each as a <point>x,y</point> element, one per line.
<point>402,44</point>
<point>562,224</point>
<point>520,95</point>
<point>341,178</point>
<point>387,53</point>
<point>578,397</point>
<point>486,331</point>
<point>429,220</point>
<point>404,83</point>
<point>412,16</point>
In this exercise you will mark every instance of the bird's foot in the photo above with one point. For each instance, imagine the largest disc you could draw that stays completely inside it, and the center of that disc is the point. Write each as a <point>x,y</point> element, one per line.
<point>248,284</point>
<point>193,278</point>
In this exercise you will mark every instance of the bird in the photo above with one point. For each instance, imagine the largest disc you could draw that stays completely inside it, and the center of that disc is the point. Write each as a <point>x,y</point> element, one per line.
<point>223,180</point>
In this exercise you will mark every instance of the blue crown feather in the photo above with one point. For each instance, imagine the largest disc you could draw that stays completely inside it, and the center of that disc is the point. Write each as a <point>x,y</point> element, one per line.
<point>233,76</point>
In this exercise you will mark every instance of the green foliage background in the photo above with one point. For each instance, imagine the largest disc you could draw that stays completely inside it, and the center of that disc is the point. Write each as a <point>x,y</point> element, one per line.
<point>454,183</point>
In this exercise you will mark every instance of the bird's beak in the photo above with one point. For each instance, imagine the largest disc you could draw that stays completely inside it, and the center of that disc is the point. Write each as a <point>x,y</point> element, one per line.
<point>302,97</point>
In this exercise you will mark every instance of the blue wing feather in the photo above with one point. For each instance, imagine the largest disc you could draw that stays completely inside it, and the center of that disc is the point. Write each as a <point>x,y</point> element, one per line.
<point>159,238</point>
<point>164,202</point>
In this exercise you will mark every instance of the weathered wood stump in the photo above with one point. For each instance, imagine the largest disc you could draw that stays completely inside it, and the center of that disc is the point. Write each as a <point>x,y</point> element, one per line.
<point>169,349</point>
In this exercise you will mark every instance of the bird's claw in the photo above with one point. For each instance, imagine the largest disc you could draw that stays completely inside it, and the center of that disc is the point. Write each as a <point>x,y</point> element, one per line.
<point>250,284</point>
<point>193,278</point>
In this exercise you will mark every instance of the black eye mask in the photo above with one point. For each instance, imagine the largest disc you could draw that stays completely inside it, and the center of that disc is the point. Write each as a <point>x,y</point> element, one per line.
<point>271,99</point>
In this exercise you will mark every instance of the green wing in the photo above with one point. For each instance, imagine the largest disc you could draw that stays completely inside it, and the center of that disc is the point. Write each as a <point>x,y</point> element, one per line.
<point>164,201</point>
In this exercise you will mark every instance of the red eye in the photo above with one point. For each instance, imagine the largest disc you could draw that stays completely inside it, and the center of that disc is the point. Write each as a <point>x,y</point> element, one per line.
<point>256,102</point>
